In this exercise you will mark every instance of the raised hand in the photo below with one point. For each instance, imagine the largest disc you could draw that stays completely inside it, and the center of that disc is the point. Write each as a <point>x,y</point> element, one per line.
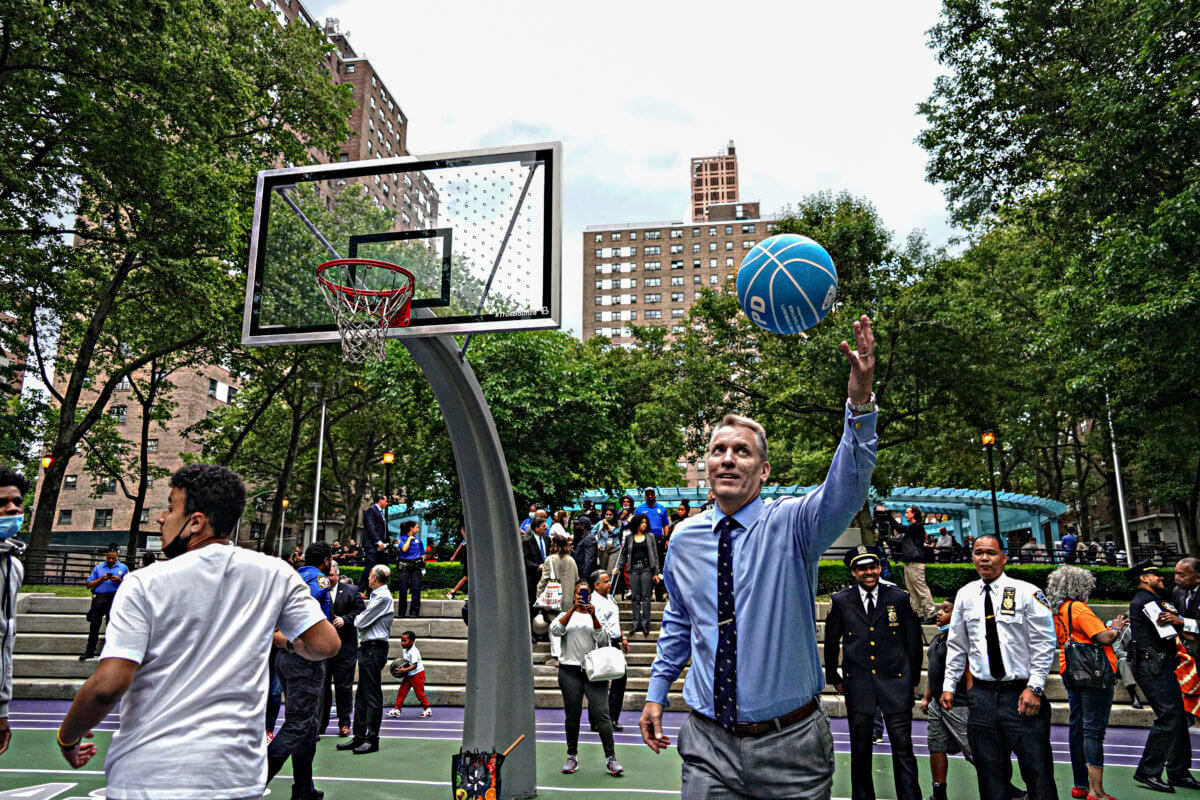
<point>862,361</point>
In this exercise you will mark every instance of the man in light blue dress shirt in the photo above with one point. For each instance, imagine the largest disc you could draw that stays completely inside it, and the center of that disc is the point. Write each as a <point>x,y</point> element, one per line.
<point>758,670</point>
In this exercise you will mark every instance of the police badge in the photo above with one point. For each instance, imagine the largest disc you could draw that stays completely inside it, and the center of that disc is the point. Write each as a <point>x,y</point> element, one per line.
<point>893,619</point>
<point>1008,606</point>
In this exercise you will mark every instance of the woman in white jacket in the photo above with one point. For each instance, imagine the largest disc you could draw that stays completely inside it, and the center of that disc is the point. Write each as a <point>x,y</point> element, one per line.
<point>581,633</point>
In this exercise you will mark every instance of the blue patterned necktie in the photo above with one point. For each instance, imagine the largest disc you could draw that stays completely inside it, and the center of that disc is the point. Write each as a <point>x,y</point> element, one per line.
<point>725,667</point>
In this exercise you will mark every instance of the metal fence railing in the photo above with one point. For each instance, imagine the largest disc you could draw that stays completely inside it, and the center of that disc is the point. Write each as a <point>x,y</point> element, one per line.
<point>60,567</point>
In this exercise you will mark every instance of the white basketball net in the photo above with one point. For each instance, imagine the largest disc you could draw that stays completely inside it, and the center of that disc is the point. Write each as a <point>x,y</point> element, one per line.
<point>363,320</point>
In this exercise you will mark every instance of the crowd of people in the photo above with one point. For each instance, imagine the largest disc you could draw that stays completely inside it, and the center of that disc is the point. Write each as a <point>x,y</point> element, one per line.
<point>196,637</point>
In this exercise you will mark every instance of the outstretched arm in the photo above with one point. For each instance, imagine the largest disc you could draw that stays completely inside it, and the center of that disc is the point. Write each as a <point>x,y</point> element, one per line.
<point>98,695</point>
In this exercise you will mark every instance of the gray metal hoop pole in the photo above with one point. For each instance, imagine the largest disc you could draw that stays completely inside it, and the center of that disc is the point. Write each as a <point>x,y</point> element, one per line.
<point>499,704</point>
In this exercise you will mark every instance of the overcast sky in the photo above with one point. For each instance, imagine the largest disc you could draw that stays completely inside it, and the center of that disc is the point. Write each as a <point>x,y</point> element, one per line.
<point>816,96</point>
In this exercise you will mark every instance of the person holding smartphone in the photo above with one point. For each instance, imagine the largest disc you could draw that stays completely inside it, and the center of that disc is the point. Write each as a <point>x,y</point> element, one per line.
<point>582,632</point>
<point>104,581</point>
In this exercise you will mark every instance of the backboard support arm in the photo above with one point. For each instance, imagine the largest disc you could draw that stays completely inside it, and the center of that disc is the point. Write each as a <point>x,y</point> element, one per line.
<point>282,192</point>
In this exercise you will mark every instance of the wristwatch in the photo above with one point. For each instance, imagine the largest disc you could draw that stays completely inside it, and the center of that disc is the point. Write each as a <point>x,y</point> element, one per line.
<point>1041,695</point>
<point>862,408</point>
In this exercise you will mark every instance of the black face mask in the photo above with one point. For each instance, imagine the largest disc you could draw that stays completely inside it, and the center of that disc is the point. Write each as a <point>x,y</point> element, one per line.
<point>178,545</point>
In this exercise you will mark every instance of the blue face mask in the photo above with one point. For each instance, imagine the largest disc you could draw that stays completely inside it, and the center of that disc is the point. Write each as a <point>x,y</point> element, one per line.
<point>945,627</point>
<point>10,525</point>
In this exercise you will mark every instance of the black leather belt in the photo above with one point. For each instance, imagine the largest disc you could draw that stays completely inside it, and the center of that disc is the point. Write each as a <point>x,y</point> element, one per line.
<point>1002,686</point>
<point>750,729</point>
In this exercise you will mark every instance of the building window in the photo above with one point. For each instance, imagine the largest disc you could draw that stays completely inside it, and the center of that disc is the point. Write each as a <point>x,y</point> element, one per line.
<point>695,263</point>
<point>729,245</point>
<point>599,316</point>
<point>350,67</point>
<point>652,298</point>
<point>676,248</point>
<point>695,231</point>
<point>677,233</point>
<point>653,250</point>
<point>653,234</point>
<point>728,230</point>
<point>633,251</point>
<point>696,279</point>
<point>119,414</point>
<point>633,315</point>
<point>676,313</point>
<point>64,516</point>
<point>695,295</point>
<point>713,280</point>
<point>599,253</point>
<point>747,244</point>
<point>676,297</point>
<point>729,261</point>
<point>712,247</point>
<point>712,262</point>
<point>70,481</point>
<point>599,284</point>
<point>652,265</point>
<point>676,329</point>
<point>103,518</point>
<point>108,486</point>
<point>632,235</point>
<point>696,247</point>
<point>123,384</point>
<point>653,314</point>
<point>712,231</point>
<point>144,517</point>
<point>212,387</point>
<point>653,282</point>
<point>152,445</point>
<point>616,237</point>
<point>747,229</point>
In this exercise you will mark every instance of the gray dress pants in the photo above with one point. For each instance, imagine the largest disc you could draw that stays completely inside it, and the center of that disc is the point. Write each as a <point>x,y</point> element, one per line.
<point>796,762</point>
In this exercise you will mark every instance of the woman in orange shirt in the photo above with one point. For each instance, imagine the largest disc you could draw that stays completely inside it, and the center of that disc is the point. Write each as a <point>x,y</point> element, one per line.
<point>1068,589</point>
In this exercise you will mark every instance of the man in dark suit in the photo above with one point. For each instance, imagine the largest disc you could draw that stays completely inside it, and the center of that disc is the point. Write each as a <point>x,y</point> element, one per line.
<point>375,536</point>
<point>535,547</point>
<point>1186,597</point>
<point>345,604</point>
<point>879,635</point>
<point>585,547</point>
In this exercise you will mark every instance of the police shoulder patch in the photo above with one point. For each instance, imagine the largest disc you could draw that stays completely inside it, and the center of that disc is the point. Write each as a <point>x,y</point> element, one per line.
<point>323,582</point>
<point>1041,598</point>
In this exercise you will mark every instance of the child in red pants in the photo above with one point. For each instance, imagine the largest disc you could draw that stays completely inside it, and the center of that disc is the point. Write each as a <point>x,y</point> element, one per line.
<point>414,676</point>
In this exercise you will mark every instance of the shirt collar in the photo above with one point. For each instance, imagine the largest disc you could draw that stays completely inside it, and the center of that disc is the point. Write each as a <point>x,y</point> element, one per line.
<point>862,593</point>
<point>745,516</point>
<point>999,583</point>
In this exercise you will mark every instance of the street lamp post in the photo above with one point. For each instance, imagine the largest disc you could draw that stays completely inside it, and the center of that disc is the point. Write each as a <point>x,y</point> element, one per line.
<point>282,524</point>
<point>989,441</point>
<point>320,460</point>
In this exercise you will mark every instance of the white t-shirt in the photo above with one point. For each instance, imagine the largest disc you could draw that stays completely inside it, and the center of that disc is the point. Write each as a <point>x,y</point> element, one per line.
<point>199,626</point>
<point>413,656</point>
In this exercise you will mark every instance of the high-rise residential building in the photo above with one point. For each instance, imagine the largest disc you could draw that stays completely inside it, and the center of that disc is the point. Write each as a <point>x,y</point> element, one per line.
<point>714,181</point>
<point>379,129</point>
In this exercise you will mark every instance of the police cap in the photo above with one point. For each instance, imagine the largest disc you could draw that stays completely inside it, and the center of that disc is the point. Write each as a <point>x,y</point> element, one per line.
<point>1139,569</point>
<point>861,556</point>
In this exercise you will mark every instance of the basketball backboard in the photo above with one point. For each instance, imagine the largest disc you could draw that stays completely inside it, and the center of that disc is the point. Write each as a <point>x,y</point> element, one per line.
<point>480,230</point>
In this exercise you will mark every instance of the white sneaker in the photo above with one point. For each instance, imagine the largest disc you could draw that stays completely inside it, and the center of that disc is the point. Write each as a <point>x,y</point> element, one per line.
<point>428,712</point>
<point>393,714</point>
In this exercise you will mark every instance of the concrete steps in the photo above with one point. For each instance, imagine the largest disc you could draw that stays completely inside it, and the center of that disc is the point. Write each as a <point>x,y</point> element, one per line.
<point>52,633</point>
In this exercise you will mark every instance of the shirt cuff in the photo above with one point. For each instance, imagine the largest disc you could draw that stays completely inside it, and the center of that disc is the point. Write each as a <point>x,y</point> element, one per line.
<point>862,427</point>
<point>657,692</point>
<point>1036,683</point>
<point>1190,626</point>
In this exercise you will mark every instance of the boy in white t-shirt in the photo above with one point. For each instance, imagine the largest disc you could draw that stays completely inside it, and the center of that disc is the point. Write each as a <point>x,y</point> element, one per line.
<point>414,676</point>
<point>186,650</point>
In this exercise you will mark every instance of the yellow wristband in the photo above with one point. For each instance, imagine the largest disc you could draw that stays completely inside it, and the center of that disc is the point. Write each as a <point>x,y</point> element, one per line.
<point>65,745</point>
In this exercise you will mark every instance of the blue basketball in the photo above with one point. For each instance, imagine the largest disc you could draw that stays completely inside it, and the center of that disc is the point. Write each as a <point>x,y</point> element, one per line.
<point>787,283</point>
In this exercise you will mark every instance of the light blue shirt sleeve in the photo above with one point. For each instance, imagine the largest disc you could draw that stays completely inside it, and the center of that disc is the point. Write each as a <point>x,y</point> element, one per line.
<point>674,644</point>
<point>822,515</point>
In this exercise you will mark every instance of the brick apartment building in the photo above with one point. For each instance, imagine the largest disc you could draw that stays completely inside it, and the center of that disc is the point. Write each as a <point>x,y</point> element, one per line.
<point>714,181</point>
<point>379,129</point>
<point>94,512</point>
<point>650,273</point>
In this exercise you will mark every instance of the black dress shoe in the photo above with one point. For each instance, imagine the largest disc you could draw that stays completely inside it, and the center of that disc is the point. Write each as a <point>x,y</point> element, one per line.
<point>369,746</point>
<point>1154,783</point>
<point>1186,783</point>
<point>617,727</point>
<point>353,743</point>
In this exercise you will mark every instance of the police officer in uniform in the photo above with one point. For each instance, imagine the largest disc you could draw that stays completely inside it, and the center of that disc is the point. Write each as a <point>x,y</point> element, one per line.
<point>1005,630</point>
<point>303,685</point>
<point>879,635</point>
<point>1154,659</point>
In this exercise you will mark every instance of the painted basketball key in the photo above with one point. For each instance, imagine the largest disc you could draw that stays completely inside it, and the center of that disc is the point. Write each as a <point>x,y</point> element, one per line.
<point>787,283</point>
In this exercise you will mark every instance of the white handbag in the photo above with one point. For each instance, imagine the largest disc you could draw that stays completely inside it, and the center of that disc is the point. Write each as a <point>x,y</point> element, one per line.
<point>604,664</point>
<point>551,597</point>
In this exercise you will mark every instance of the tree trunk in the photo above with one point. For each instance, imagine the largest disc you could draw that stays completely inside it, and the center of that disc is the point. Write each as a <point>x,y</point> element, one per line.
<point>1186,514</point>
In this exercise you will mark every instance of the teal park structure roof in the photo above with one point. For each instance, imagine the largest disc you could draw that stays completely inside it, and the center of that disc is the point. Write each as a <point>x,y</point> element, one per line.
<point>970,510</point>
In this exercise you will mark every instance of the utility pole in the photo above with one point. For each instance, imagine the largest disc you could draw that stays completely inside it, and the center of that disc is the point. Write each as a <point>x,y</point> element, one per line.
<point>989,441</point>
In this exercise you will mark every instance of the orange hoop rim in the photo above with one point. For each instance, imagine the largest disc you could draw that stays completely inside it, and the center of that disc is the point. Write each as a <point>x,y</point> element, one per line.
<point>363,262</point>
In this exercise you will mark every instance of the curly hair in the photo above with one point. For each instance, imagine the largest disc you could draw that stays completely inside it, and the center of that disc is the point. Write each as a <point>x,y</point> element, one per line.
<point>216,492</point>
<point>10,478</point>
<point>1069,583</point>
<point>316,553</point>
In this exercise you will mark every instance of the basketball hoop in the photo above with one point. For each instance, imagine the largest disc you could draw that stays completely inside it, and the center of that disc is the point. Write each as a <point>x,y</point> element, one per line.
<point>364,315</point>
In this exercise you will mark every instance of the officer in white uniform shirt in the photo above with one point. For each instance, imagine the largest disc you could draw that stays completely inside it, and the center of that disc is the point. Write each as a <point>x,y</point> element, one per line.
<point>1004,629</point>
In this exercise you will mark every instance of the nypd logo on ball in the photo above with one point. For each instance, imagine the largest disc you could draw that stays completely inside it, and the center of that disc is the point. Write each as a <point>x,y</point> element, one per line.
<point>787,283</point>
